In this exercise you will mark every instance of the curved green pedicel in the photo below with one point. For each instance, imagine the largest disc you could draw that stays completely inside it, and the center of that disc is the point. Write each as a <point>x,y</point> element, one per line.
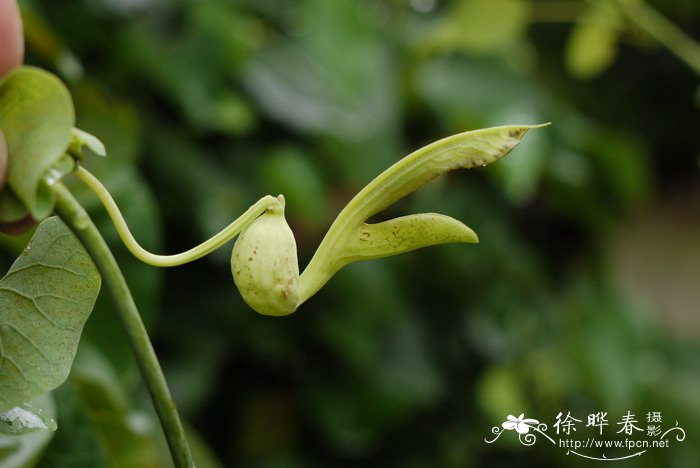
<point>228,233</point>
<point>264,260</point>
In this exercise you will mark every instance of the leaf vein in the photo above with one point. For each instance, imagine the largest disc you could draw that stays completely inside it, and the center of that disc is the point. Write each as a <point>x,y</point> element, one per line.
<point>38,307</point>
<point>19,332</point>
<point>46,265</point>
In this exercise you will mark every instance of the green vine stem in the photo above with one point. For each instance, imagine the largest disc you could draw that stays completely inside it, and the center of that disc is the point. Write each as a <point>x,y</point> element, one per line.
<point>75,216</point>
<point>228,233</point>
<point>663,30</point>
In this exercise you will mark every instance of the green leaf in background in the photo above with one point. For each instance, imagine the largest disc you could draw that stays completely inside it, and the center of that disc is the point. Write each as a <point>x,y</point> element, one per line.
<point>282,171</point>
<point>592,45</point>
<point>293,87</point>
<point>480,26</point>
<point>331,76</point>
<point>45,42</point>
<point>100,427</point>
<point>25,419</point>
<point>128,437</point>
<point>500,393</point>
<point>77,443</point>
<point>45,299</point>
<point>36,117</point>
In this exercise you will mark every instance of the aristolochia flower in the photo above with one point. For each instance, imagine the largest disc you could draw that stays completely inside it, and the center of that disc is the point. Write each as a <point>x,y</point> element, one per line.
<point>521,425</point>
<point>264,260</point>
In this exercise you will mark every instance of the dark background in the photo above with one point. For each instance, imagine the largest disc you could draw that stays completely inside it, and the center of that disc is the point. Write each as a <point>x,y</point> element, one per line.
<point>581,297</point>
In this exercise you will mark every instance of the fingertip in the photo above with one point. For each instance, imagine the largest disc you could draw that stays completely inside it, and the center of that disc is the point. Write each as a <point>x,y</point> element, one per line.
<point>11,36</point>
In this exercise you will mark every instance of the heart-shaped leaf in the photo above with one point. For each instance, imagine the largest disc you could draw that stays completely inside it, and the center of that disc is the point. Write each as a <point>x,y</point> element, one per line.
<point>36,118</point>
<point>45,299</point>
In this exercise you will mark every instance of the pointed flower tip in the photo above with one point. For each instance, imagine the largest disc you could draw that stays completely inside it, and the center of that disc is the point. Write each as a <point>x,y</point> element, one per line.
<point>277,205</point>
<point>523,129</point>
<point>468,236</point>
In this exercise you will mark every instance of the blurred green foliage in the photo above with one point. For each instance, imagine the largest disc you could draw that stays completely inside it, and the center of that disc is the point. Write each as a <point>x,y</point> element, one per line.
<point>206,105</point>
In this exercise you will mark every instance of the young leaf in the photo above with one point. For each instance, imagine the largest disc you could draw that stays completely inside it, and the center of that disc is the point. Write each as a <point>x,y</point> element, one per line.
<point>36,118</point>
<point>81,141</point>
<point>25,419</point>
<point>592,45</point>
<point>77,442</point>
<point>45,299</point>
<point>480,26</point>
